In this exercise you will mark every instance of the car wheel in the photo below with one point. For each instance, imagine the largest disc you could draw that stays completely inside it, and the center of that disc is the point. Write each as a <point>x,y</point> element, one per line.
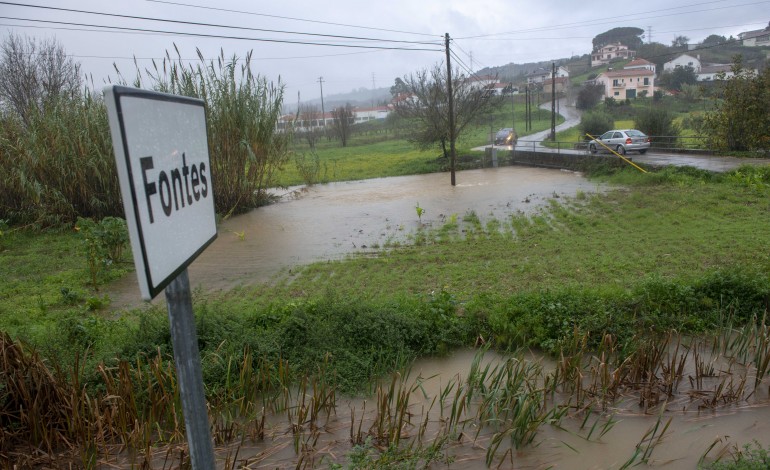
<point>592,148</point>
<point>642,152</point>
<point>620,149</point>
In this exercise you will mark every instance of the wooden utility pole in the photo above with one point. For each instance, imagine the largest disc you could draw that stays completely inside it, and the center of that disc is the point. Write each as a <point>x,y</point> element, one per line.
<point>451,111</point>
<point>553,101</point>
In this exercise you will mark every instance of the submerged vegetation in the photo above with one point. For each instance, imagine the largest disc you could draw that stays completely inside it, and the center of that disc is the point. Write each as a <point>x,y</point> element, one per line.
<point>636,292</point>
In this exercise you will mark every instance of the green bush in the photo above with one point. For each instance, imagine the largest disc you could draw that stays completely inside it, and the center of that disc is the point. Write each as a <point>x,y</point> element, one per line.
<point>596,123</point>
<point>659,124</point>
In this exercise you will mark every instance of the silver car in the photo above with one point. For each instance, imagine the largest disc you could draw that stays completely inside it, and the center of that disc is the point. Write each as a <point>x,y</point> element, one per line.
<point>621,141</point>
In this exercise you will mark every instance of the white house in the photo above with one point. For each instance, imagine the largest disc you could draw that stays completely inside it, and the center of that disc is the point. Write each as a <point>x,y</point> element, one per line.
<point>684,60</point>
<point>756,38</point>
<point>543,73</point>
<point>711,72</point>
<point>313,121</point>
<point>370,114</point>
<point>610,52</point>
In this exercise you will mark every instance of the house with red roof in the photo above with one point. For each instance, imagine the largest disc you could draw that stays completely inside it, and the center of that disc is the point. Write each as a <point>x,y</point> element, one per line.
<point>627,83</point>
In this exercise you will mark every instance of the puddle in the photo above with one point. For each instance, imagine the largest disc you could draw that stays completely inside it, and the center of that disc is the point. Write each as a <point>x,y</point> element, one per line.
<point>332,220</point>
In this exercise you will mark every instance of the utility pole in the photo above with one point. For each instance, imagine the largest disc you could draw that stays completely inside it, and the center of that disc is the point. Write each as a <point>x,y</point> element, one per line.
<point>451,111</point>
<point>373,89</point>
<point>513,108</point>
<point>553,101</point>
<point>526,105</point>
<point>649,34</point>
<point>323,113</point>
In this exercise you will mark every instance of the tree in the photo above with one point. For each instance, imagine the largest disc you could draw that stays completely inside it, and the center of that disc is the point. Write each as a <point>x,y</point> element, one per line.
<point>310,115</point>
<point>343,122</point>
<point>680,41</point>
<point>33,75</point>
<point>656,53</point>
<point>589,96</point>
<point>679,76</point>
<point>658,123</point>
<point>596,123</point>
<point>428,106</point>
<point>398,88</point>
<point>741,121</point>
<point>714,39</point>
<point>628,36</point>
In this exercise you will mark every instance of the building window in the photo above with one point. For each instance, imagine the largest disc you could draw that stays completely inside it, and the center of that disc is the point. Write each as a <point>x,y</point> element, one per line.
<point>617,93</point>
<point>646,81</point>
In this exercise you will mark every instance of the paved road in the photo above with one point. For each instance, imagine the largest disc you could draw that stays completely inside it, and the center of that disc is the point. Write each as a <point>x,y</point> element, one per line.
<point>571,115</point>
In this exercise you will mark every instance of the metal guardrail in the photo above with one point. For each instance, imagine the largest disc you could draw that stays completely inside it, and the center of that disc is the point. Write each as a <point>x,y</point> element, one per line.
<point>675,144</point>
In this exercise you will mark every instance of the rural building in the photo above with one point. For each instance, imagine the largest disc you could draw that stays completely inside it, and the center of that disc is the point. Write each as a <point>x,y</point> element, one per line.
<point>623,84</point>
<point>543,73</point>
<point>637,64</point>
<point>756,38</point>
<point>561,84</point>
<point>711,72</point>
<point>610,52</point>
<point>684,60</point>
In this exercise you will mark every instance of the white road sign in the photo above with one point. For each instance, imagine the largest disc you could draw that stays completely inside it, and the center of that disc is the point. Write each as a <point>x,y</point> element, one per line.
<point>162,156</point>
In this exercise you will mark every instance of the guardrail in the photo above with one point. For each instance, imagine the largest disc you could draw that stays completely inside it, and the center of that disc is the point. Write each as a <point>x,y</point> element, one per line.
<point>675,144</point>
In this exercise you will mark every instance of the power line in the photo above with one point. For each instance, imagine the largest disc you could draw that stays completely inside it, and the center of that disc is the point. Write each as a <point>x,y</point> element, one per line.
<point>217,36</point>
<point>291,18</point>
<point>214,25</point>
<point>597,21</point>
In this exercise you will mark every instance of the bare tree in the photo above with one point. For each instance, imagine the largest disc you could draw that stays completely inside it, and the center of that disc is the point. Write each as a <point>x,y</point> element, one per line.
<point>428,105</point>
<point>343,122</point>
<point>311,117</point>
<point>35,73</point>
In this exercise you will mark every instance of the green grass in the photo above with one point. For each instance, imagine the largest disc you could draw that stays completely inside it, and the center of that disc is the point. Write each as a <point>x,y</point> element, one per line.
<point>611,240</point>
<point>377,153</point>
<point>666,249</point>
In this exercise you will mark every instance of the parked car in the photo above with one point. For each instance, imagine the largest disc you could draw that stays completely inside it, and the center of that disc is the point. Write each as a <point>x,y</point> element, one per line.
<point>621,141</point>
<point>506,136</point>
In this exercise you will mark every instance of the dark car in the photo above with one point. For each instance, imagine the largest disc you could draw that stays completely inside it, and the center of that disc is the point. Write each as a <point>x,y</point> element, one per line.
<point>621,141</point>
<point>505,136</point>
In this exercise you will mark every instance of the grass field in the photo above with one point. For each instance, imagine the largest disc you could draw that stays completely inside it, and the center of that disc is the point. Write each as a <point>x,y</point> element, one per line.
<point>382,154</point>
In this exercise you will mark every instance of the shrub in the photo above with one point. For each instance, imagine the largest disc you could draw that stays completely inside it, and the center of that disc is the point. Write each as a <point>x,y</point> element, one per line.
<point>658,123</point>
<point>596,123</point>
<point>589,96</point>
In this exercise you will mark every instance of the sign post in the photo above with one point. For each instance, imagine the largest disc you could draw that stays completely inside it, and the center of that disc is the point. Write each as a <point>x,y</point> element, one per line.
<point>161,150</point>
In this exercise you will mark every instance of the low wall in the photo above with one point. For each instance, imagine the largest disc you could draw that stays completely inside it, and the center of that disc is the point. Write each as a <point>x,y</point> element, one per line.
<point>575,162</point>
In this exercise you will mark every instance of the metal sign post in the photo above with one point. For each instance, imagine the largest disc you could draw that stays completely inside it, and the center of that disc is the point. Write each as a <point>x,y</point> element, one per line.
<point>161,150</point>
<point>188,371</point>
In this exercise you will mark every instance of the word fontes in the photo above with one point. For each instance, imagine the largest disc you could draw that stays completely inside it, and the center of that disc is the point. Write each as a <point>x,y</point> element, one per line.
<point>175,189</point>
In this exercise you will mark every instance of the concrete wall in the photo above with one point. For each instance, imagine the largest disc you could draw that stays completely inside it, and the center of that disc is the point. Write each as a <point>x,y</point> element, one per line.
<point>578,162</point>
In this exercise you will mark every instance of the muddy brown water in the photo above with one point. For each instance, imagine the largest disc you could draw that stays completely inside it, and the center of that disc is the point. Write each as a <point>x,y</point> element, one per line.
<point>571,445</point>
<point>332,220</point>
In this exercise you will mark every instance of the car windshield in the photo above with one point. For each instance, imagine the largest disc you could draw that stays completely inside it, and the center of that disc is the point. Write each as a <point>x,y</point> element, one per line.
<point>635,133</point>
<point>606,135</point>
<point>503,132</point>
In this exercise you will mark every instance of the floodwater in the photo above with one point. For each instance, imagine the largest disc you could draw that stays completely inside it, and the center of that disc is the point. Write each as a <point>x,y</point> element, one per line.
<point>332,220</point>
<point>576,441</point>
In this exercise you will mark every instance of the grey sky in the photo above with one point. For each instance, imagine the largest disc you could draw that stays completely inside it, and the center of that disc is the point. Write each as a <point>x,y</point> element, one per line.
<point>513,31</point>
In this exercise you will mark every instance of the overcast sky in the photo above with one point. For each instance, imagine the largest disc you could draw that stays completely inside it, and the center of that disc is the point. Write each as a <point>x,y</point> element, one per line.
<point>484,33</point>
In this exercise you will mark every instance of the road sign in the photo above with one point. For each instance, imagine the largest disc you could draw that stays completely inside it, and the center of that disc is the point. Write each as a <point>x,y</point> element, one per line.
<point>162,156</point>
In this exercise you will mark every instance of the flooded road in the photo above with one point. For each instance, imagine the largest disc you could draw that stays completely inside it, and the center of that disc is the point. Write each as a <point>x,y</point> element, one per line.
<point>332,220</point>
